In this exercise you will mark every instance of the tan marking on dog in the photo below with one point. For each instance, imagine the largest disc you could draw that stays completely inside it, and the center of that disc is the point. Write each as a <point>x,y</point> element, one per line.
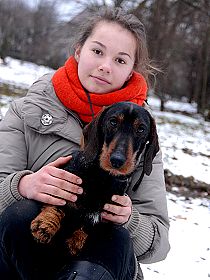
<point>76,241</point>
<point>105,155</point>
<point>136,124</point>
<point>127,167</point>
<point>47,223</point>
<point>120,118</point>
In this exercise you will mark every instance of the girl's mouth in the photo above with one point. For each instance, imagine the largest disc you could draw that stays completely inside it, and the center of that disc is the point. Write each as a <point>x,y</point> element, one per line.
<point>100,80</point>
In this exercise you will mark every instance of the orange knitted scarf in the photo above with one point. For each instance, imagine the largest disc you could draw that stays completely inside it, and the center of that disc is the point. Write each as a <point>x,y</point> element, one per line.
<point>72,95</point>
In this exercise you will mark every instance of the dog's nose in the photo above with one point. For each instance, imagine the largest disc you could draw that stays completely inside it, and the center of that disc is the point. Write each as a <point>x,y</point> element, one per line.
<point>117,160</point>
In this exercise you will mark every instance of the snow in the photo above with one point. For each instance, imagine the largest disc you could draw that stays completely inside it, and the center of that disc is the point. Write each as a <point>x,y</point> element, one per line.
<point>181,106</point>
<point>185,144</point>
<point>189,257</point>
<point>186,151</point>
<point>20,72</point>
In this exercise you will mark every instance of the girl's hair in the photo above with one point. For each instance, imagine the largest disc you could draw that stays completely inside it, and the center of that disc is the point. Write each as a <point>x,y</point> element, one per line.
<point>127,21</point>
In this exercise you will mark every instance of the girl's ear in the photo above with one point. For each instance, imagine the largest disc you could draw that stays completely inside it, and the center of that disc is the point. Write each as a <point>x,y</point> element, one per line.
<point>77,53</point>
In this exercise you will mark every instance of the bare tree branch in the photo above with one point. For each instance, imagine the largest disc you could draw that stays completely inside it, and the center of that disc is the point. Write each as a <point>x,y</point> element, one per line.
<point>193,5</point>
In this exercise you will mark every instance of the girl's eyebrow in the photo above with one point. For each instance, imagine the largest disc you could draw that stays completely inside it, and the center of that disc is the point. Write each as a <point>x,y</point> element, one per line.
<point>103,46</point>
<point>100,44</point>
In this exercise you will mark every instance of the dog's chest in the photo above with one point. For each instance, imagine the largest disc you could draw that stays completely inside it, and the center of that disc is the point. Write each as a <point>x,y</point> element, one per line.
<point>98,185</point>
<point>98,188</point>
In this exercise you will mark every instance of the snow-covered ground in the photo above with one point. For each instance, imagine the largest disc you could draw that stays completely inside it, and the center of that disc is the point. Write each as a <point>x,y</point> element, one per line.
<point>189,257</point>
<point>186,151</point>
<point>184,141</point>
<point>21,73</point>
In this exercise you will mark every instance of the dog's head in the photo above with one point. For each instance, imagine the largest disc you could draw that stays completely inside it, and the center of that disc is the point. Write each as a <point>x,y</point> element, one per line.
<point>118,136</point>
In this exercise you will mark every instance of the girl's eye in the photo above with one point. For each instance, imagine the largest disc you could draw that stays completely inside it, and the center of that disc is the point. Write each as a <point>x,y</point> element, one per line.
<point>120,60</point>
<point>97,51</point>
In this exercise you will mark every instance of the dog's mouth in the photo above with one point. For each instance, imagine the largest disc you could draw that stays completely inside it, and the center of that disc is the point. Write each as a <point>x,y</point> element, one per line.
<point>118,164</point>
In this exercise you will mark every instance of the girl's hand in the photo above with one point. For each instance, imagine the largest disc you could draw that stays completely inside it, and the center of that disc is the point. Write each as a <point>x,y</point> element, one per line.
<point>120,213</point>
<point>51,185</point>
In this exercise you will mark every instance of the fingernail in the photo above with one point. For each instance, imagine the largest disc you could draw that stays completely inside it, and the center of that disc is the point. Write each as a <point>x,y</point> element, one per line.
<point>106,207</point>
<point>63,202</point>
<point>74,198</point>
<point>79,181</point>
<point>80,190</point>
<point>114,198</point>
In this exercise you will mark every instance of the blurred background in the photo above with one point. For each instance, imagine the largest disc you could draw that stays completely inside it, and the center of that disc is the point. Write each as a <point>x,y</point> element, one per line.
<point>178,34</point>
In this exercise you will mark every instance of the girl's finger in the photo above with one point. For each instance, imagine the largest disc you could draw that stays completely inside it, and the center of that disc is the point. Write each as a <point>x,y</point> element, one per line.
<point>47,199</point>
<point>64,185</point>
<point>123,200</point>
<point>116,210</point>
<point>60,161</point>
<point>63,174</point>
<point>114,218</point>
<point>59,193</point>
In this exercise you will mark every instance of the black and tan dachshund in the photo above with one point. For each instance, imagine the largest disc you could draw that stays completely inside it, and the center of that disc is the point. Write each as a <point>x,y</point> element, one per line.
<point>113,143</point>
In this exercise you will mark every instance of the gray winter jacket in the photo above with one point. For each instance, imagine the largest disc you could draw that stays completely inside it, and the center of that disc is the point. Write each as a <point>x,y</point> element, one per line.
<point>28,142</point>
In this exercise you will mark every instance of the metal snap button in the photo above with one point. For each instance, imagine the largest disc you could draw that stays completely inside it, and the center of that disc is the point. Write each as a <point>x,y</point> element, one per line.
<point>46,119</point>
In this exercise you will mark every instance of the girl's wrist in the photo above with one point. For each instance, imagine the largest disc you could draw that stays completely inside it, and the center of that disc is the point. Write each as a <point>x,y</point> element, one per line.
<point>14,184</point>
<point>22,185</point>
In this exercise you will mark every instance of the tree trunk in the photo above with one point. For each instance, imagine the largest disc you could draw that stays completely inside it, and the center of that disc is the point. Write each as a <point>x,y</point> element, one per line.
<point>203,97</point>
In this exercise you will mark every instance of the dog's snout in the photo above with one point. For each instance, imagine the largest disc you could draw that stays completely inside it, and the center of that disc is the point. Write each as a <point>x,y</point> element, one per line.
<point>117,160</point>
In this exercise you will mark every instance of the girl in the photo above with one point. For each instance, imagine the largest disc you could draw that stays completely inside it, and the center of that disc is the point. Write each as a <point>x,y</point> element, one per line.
<point>40,131</point>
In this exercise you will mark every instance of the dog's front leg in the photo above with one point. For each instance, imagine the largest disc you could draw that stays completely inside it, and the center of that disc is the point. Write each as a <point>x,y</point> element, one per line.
<point>47,223</point>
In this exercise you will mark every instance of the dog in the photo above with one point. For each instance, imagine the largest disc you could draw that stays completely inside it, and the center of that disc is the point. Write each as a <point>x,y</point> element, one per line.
<point>112,145</point>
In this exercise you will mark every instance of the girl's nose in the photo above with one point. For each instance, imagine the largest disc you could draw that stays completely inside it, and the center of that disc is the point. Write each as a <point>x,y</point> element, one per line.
<point>105,67</point>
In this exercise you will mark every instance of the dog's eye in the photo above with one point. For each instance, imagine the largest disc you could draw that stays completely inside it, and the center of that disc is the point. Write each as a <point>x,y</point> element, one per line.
<point>113,122</point>
<point>140,130</point>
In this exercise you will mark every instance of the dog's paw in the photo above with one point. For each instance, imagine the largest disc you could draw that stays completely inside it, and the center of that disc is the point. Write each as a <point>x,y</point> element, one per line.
<point>77,241</point>
<point>47,223</point>
<point>42,231</point>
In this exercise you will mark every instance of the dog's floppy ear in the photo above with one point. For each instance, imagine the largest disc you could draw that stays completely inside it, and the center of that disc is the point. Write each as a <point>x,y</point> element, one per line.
<point>91,140</point>
<point>152,148</point>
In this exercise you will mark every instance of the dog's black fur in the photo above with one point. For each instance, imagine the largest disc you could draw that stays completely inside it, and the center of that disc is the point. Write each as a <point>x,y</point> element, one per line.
<point>113,143</point>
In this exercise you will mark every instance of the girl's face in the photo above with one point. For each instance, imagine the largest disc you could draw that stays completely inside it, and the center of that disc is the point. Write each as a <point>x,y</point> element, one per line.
<point>106,60</point>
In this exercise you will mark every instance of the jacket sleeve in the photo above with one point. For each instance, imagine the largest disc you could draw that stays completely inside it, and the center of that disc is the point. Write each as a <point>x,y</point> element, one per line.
<point>13,156</point>
<point>149,223</point>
